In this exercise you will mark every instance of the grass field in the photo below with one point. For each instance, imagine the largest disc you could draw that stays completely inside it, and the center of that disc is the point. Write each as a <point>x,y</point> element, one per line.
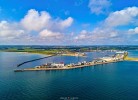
<point>40,51</point>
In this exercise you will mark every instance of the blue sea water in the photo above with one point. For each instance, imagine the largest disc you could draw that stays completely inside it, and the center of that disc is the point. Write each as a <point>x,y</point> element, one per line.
<point>133,53</point>
<point>114,81</point>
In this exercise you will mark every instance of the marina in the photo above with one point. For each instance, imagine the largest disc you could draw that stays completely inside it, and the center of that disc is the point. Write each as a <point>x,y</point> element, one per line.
<point>61,66</point>
<point>62,54</point>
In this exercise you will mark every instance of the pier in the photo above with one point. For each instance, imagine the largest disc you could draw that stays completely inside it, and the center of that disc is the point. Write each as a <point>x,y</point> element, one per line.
<point>65,68</point>
<point>62,66</point>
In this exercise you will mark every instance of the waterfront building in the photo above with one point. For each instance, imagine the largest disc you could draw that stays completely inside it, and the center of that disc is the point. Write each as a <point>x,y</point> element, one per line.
<point>107,59</point>
<point>58,65</point>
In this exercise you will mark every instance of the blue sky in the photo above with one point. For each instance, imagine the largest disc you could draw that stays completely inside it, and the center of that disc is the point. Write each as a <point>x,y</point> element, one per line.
<point>72,22</point>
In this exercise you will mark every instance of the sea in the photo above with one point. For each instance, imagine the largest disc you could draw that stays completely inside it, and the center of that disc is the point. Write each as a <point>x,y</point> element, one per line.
<point>114,81</point>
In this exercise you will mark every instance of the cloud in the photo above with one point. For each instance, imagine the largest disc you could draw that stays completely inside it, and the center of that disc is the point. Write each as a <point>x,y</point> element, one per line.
<point>35,27</point>
<point>36,21</point>
<point>122,17</point>
<point>51,37</point>
<point>96,34</point>
<point>41,28</point>
<point>107,32</point>
<point>49,34</point>
<point>10,30</point>
<point>133,31</point>
<point>101,33</point>
<point>82,36</point>
<point>65,23</point>
<point>99,6</point>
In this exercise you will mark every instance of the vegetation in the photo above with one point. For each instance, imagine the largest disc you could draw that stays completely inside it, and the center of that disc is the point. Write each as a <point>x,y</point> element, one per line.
<point>131,58</point>
<point>126,57</point>
<point>48,50</point>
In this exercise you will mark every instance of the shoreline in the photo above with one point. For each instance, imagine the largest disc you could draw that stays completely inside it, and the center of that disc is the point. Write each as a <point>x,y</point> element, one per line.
<point>127,58</point>
<point>20,52</point>
<point>28,53</point>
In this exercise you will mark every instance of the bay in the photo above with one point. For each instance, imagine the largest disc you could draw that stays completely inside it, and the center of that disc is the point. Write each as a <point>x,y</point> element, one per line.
<point>114,81</point>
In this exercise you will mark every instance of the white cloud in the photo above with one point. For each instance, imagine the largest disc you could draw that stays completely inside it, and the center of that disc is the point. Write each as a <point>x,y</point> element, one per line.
<point>51,37</point>
<point>41,28</point>
<point>122,17</point>
<point>107,31</point>
<point>101,33</point>
<point>49,34</point>
<point>35,27</point>
<point>133,31</point>
<point>98,36</point>
<point>97,33</point>
<point>35,21</point>
<point>99,6</point>
<point>82,36</point>
<point>66,23</point>
<point>10,30</point>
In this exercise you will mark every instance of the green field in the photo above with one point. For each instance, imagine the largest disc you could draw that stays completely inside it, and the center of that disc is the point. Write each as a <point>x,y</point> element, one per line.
<point>38,51</point>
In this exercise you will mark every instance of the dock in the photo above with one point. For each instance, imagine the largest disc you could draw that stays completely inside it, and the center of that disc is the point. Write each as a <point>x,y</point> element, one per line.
<point>61,66</point>
<point>64,68</point>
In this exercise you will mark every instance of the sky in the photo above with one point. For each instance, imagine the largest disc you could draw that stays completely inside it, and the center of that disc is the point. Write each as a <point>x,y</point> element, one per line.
<point>68,22</point>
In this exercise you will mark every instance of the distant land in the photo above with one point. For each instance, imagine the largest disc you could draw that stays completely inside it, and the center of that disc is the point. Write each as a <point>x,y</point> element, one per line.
<point>66,50</point>
<point>48,50</point>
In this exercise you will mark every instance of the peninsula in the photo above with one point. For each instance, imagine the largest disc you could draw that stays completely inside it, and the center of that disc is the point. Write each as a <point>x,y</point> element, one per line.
<point>119,56</point>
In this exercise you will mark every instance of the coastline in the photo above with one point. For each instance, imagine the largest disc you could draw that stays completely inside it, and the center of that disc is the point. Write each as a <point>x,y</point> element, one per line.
<point>44,54</point>
<point>28,53</point>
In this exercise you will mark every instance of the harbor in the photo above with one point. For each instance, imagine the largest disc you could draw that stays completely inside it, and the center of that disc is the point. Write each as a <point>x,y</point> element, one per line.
<point>119,56</point>
<point>34,60</point>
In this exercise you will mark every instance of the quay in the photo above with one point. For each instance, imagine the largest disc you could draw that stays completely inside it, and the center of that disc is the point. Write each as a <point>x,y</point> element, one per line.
<point>65,68</point>
<point>61,66</point>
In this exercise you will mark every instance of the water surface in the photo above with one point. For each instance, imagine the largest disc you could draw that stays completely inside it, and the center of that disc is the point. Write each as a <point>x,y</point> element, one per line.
<point>114,81</point>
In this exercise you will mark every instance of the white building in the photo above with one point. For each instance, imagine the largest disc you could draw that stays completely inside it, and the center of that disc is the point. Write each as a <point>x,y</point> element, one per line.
<point>58,64</point>
<point>107,58</point>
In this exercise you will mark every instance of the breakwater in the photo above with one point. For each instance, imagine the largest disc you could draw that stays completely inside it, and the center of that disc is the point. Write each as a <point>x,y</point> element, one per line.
<point>34,60</point>
<point>62,66</point>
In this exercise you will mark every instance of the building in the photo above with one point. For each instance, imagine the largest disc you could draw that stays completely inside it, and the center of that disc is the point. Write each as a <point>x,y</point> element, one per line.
<point>107,59</point>
<point>58,65</point>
